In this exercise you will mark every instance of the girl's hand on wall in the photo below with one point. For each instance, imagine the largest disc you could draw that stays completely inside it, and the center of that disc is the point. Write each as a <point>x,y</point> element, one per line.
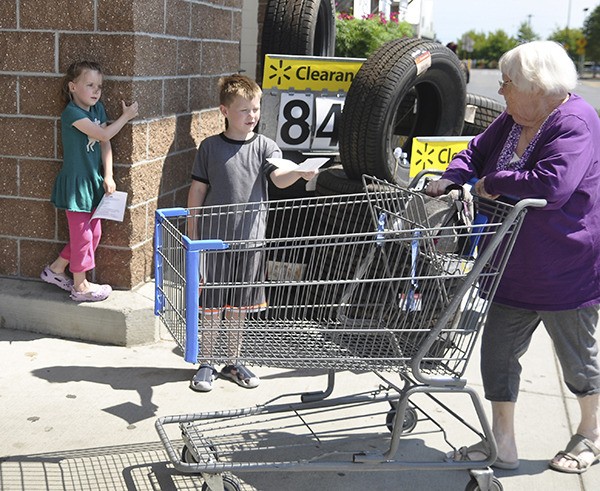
<point>130,111</point>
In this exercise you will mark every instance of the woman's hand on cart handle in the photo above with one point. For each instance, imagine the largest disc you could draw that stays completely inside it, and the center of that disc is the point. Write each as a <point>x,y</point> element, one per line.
<point>438,187</point>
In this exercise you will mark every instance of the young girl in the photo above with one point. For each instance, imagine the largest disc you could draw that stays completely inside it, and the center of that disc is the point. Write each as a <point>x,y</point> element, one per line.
<point>87,174</point>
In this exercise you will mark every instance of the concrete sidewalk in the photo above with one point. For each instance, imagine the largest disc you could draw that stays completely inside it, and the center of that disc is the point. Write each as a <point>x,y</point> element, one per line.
<point>80,416</point>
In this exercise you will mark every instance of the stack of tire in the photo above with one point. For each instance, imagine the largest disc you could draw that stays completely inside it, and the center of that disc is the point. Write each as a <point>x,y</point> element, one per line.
<point>297,27</point>
<point>391,100</point>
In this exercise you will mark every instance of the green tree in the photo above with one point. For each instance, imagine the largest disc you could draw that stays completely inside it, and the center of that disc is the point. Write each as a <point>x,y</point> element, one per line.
<point>591,31</point>
<point>526,34</point>
<point>478,38</point>
<point>358,38</point>
<point>568,38</point>
<point>497,43</point>
<point>487,48</point>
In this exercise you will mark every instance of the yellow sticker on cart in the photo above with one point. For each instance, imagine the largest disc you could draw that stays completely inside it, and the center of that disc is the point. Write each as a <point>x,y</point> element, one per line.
<point>286,72</point>
<point>435,152</point>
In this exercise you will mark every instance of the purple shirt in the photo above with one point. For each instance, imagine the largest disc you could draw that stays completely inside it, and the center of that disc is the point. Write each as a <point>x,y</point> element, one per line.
<point>555,264</point>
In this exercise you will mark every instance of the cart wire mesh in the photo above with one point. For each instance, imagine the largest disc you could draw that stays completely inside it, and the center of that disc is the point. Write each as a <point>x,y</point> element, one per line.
<point>359,282</point>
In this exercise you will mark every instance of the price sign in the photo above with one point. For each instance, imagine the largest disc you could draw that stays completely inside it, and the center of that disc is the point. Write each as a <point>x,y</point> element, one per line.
<point>307,122</point>
<point>294,122</point>
<point>327,122</point>
<point>303,98</point>
<point>435,152</point>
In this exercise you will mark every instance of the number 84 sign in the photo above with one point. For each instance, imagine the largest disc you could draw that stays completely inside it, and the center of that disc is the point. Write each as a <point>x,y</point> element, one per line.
<point>308,122</point>
<point>303,98</point>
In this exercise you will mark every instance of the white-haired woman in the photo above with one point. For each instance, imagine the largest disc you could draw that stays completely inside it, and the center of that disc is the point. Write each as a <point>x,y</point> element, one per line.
<point>545,145</point>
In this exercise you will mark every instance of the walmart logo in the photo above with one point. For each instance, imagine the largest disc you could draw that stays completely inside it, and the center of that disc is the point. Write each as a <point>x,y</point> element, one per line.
<point>280,72</point>
<point>424,156</point>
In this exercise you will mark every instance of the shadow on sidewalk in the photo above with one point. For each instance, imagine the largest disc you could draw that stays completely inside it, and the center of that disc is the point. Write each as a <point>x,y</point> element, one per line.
<point>139,379</point>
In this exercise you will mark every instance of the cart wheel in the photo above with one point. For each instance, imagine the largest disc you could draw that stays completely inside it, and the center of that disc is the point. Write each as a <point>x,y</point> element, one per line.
<point>230,483</point>
<point>187,457</point>
<point>409,423</point>
<point>473,485</point>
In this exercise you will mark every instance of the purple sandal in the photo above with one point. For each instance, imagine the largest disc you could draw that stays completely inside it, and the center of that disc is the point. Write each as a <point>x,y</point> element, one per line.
<point>96,293</point>
<point>61,280</point>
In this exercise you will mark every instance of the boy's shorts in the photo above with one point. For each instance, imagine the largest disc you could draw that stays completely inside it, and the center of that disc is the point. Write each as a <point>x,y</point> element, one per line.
<point>232,280</point>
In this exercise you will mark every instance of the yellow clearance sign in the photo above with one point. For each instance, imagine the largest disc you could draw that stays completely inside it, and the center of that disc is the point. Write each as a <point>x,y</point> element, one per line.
<point>309,73</point>
<point>435,152</point>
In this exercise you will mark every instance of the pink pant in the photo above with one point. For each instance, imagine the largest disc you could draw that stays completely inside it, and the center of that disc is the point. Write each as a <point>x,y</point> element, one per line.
<point>84,237</point>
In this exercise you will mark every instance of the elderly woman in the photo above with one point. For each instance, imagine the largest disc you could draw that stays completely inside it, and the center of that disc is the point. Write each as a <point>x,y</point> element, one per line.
<point>545,145</point>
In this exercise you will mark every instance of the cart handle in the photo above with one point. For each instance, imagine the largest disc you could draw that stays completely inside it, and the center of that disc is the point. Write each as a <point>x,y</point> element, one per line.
<point>496,239</point>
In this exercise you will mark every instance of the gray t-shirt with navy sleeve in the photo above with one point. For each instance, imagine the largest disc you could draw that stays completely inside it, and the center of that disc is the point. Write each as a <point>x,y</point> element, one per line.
<point>236,173</point>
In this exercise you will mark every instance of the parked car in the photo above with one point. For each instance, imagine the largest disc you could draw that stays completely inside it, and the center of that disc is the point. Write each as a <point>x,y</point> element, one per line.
<point>592,68</point>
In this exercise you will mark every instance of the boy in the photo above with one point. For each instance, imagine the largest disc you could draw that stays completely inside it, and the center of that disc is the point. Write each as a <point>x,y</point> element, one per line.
<point>232,168</point>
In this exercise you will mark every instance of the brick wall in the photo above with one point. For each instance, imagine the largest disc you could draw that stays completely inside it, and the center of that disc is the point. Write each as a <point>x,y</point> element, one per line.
<point>165,54</point>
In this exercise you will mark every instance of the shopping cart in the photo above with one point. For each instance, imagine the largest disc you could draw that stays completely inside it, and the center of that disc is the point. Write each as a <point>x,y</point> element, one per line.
<point>351,282</point>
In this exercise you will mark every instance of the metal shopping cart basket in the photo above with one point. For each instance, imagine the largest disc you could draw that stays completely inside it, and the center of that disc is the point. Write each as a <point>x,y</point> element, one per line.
<point>351,282</point>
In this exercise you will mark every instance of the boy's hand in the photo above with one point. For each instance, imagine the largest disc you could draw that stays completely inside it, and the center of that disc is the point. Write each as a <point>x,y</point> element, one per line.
<point>130,111</point>
<point>109,185</point>
<point>308,175</point>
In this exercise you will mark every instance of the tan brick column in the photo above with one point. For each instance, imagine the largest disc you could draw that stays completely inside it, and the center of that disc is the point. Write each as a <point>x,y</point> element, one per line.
<point>165,54</point>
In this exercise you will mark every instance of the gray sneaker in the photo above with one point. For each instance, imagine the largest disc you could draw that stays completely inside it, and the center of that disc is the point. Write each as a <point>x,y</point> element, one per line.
<point>241,376</point>
<point>202,381</point>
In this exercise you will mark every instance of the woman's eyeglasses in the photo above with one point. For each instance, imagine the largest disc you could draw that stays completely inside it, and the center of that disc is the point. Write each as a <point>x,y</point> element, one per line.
<point>503,84</point>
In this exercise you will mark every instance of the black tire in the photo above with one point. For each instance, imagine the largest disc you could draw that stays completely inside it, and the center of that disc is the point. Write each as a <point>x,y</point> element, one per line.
<point>381,112</point>
<point>299,27</point>
<point>333,181</point>
<point>481,111</point>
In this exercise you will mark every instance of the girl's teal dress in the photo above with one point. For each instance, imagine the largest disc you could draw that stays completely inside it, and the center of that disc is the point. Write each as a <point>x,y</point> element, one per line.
<point>79,184</point>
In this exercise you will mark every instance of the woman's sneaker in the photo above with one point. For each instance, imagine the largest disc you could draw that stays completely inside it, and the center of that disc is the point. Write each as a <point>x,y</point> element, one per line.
<point>61,280</point>
<point>96,293</point>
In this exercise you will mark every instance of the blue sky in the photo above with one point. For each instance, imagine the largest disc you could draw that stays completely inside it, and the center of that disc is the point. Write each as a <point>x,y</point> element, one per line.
<point>452,18</point>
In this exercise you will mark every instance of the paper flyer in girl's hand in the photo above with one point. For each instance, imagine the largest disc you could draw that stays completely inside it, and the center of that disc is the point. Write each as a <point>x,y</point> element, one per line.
<point>112,206</point>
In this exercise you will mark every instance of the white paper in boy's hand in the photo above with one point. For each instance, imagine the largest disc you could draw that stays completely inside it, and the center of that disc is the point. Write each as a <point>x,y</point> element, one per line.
<point>112,206</point>
<point>308,165</point>
<point>312,184</point>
